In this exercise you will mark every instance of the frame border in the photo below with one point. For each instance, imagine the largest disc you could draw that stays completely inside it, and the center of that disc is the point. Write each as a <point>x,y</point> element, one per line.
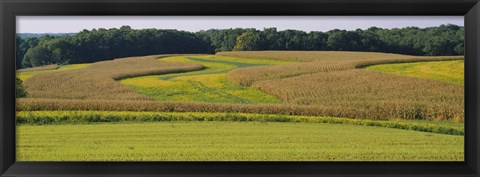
<point>9,9</point>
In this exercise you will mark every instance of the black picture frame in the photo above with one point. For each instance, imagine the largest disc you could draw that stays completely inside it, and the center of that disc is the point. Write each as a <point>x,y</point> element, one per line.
<point>9,9</point>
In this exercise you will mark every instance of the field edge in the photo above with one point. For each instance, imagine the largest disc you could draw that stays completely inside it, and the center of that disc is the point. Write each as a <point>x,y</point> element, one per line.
<point>87,117</point>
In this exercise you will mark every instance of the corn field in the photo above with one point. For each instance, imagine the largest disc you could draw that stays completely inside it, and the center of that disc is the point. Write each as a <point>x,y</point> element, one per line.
<point>323,84</point>
<point>340,82</point>
<point>39,68</point>
<point>316,61</point>
<point>312,56</point>
<point>373,111</point>
<point>98,81</point>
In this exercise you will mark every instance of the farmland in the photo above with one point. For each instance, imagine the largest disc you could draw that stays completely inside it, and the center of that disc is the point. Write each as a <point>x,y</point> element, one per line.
<point>317,61</point>
<point>208,85</point>
<point>343,83</point>
<point>97,81</point>
<point>432,70</point>
<point>26,73</point>
<point>86,117</point>
<point>358,89</point>
<point>318,104</point>
<point>226,141</point>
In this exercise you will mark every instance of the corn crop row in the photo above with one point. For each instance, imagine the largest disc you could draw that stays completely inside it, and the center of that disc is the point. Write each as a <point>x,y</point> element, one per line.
<point>374,111</point>
<point>97,81</point>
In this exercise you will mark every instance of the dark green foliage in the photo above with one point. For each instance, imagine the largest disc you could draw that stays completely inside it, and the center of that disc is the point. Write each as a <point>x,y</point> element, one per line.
<point>20,91</point>
<point>105,44</point>
<point>221,40</point>
<point>38,56</point>
<point>345,40</point>
<point>21,47</point>
<point>247,41</point>
<point>37,35</point>
<point>433,41</point>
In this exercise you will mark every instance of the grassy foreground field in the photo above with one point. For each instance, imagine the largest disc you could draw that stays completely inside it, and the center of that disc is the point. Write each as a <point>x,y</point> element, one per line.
<point>224,141</point>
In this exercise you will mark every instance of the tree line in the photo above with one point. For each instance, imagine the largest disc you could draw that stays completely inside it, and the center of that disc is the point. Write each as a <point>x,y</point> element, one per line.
<point>36,35</point>
<point>104,44</point>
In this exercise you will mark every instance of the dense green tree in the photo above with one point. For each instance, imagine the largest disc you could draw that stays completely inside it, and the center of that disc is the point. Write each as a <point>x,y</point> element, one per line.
<point>271,39</point>
<point>223,39</point>
<point>18,51</point>
<point>38,56</point>
<point>21,47</point>
<point>247,41</point>
<point>317,41</point>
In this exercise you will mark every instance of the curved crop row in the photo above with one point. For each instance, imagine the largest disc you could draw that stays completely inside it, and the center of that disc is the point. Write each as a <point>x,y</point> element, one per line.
<point>374,111</point>
<point>97,81</point>
<point>312,56</point>
<point>332,79</point>
<point>82,117</point>
<point>248,76</point>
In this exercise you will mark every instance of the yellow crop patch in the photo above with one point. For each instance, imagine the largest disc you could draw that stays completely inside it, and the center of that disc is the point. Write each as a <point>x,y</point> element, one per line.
<point>209,80</point>
<point>448,71</point>
<point>148,81</point>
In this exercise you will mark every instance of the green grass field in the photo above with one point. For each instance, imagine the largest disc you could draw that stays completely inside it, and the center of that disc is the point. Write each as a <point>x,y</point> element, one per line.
<point>231,141</point>
<point>208,85</point>
<point>449,71</point>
